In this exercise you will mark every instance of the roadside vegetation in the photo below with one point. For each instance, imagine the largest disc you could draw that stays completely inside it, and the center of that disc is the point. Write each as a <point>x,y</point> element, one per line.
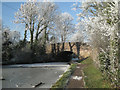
<point>101,21</point>
<point>93,77</point>
<point>62,82</point>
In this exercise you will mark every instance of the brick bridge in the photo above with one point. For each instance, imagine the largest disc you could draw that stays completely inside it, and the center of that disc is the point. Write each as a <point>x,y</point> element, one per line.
<point>81,49</point>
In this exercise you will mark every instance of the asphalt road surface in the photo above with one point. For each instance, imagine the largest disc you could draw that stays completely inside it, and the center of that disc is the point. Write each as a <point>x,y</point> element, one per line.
<point>32,76</point>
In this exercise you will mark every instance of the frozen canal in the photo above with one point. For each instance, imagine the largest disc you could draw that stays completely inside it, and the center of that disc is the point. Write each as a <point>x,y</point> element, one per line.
<point>32,75</point>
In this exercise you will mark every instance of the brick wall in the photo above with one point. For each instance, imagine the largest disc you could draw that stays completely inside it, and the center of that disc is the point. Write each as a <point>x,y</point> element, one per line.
<point>85,50</point>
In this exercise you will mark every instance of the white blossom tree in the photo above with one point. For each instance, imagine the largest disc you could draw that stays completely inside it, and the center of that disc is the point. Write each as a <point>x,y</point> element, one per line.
<point>36,17</point>
<point>77,38</point>
<point>79,34</point>
<point>10,35</point>
<point>27,14</point>
<point>63,27</point>
<point>101,21</point>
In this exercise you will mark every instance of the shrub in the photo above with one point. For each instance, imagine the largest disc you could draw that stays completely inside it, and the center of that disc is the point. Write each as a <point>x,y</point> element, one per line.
<point>23,56</point>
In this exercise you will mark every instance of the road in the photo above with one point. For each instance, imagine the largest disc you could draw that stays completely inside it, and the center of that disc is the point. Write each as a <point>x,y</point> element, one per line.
<point>29,76</point>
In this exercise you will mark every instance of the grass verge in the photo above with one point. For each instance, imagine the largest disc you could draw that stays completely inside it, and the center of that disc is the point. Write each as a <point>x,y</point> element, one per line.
<point>62,82</point>
<point>93,77</point>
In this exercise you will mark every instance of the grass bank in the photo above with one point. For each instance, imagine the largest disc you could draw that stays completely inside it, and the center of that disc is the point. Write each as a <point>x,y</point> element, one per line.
<point>93,77</point>
<point>62,82</point>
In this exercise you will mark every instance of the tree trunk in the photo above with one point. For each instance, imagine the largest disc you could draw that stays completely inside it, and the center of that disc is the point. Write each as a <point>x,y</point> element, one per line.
<point>53,48</point>
<point>31,40</point>
<point>32,33</point>
<point>71,46</point>
<point>25,34</point>
<point>36,38</point>
<point>58,47</point>
<point>78,44</point>
<point>62,49</point>
<point>45,39</point>
<point>63,45</point>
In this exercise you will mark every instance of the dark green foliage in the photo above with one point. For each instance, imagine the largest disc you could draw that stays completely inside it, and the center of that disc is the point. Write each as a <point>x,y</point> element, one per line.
<point>23,56</point>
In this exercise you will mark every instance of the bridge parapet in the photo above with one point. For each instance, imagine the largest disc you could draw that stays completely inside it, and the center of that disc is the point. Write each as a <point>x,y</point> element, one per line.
<point>83,50</point>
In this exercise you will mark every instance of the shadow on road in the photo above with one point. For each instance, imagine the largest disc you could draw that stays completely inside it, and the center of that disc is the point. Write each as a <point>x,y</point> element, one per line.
<point>82,59</point>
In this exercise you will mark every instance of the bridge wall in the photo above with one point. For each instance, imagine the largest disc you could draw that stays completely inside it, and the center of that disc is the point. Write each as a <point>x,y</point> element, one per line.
<point>85,50</point>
